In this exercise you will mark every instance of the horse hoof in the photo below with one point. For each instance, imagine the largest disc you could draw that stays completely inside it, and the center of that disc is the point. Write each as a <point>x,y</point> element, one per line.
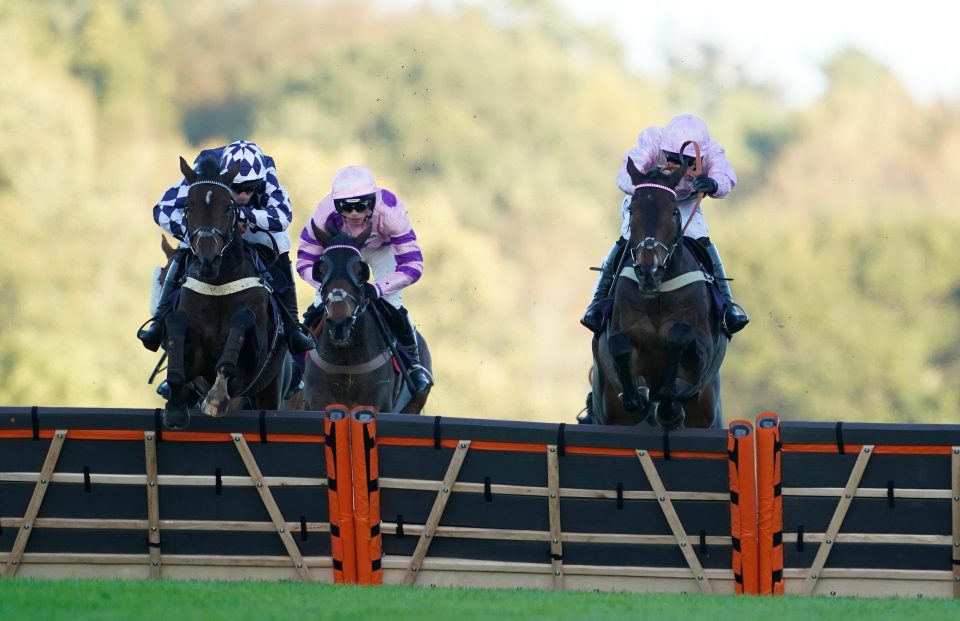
<point>214,409</point>
<point>176,419</point>
<point>673,418</point>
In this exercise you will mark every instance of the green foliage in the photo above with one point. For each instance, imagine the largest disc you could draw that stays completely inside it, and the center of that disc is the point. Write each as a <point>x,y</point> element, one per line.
<point>502,127</point>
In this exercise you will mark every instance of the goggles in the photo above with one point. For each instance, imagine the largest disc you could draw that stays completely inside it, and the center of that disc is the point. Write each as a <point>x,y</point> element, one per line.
<point>358,204</point>
<point>250,187</point>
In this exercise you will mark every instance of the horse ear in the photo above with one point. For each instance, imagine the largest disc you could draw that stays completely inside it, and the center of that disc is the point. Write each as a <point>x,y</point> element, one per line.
<point>635,175</point>
<point>231,173</point>
<point>321,236</point>
<point>674,178</point>
<point>360,239</point>
<point>188,173</point>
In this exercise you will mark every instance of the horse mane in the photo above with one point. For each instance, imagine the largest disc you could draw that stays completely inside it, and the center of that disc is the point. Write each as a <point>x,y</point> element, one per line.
<point>208,167</point>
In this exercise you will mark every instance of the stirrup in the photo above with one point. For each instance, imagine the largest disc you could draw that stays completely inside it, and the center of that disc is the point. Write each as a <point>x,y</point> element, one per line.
<point>739,318</point>
<point>151,337</point>
<point>419,369</point>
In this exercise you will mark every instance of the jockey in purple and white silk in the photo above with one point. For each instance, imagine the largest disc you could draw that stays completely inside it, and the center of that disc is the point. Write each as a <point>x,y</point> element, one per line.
<point>392,251</point>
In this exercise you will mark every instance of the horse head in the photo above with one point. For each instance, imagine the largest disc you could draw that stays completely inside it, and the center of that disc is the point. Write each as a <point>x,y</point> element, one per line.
<point>210,212</point>
<point>342,275</point>
<point>655,227</point>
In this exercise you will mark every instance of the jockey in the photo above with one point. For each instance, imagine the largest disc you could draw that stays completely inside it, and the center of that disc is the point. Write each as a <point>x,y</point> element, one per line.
<point>265,207</point>
<point>656,147</point>
<point>391,251</point>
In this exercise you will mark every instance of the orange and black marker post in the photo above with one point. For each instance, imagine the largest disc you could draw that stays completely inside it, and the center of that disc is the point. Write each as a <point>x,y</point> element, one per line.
<point>336,427</point>
<point>366,495</point>
<point>770,527</point>
<point>743,506</point>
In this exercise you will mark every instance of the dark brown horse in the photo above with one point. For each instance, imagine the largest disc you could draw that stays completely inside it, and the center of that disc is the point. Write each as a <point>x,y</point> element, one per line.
<point>659,357</point>
<point>356,361</point>
<point>223,343</point>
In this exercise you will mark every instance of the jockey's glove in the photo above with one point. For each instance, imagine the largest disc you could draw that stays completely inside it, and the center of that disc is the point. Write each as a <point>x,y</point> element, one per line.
<point>371,291</point>
<point>705,185</point>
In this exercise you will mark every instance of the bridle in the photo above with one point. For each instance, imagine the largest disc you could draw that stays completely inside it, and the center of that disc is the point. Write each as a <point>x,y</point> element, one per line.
<point>338,294</point>
<point>226,235</point>
<point>661,251</point>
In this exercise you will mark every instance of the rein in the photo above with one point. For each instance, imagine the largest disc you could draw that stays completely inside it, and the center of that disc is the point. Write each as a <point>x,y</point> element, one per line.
<point>694,171</point>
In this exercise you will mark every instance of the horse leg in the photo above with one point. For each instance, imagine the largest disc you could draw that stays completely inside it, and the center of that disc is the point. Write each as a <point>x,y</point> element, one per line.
<point>679,338</point>
<point>634,399</point>
<point>218,397</point>
<point>175,413</point>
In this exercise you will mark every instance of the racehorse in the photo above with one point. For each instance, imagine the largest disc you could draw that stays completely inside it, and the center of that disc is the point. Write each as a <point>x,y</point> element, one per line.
<point>223,339</point>
<point>659,356</point>
<point>356,361</point>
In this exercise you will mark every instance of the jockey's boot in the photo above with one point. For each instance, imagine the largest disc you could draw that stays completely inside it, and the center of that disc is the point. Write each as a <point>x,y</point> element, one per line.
<point>407,335</point>
<point>593,318</point>
<point>152,337</point>
<point>734,317</point>
<point>298,339</point>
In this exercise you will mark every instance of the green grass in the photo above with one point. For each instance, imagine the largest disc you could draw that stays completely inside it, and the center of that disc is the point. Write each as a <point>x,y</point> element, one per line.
<point>109,600</point>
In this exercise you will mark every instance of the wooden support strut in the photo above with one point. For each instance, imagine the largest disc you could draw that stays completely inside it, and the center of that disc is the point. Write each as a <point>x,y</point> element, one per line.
<point>955,503</point>
<point>553,502</point>
<point>33,508</point>
<point>153,504</point>
<point>271,505</point>
<point>830,537</point>
<point>439,504</point>
<point>674,521</point>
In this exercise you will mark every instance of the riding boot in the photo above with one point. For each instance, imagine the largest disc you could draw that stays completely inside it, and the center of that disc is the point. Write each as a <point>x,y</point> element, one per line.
<point>298,339</point>
<point>407,335</point>
<point>734,317</point>
<point>593,318</point>
<point>152,337</point>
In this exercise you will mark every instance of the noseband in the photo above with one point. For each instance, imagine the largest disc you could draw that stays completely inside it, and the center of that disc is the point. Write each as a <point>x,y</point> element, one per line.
<point>204,232</point>
<point>652,244</point>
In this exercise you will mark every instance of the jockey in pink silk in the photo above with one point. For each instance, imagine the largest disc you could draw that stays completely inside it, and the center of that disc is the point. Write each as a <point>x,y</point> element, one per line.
<point>391,250</point>
<point>657,147</point>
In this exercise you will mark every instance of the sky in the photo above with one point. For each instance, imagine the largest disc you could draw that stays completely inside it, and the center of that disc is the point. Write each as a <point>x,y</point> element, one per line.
<point>787,42</point>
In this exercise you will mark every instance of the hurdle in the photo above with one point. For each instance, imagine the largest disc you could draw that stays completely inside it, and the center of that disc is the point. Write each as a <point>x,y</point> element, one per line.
<point>858,509</point>
<point>357,496</point>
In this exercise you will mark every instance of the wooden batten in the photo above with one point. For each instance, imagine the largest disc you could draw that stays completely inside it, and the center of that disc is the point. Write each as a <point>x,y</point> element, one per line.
<point>153,505</point>
<point>553,504</point>
<point>703,582</point>
<point>30,515</point>
<point>439,504</point>
<point>271,505</point>
<point>816,569</point>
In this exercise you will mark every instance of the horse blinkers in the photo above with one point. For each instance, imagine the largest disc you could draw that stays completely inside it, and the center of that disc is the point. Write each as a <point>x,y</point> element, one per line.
<point>341,307</point>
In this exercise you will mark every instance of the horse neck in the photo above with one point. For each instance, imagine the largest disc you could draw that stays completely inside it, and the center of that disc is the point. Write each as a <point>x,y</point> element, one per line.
<point>365,343</point>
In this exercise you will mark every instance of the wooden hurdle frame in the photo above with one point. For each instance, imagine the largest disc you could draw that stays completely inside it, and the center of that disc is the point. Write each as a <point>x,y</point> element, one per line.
<point>770,508</point>
<point>828,451</point>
